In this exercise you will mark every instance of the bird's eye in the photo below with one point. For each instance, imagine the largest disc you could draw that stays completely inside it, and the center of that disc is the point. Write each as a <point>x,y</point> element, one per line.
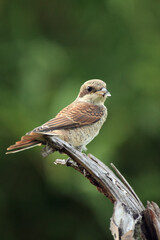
<point>89,89</point>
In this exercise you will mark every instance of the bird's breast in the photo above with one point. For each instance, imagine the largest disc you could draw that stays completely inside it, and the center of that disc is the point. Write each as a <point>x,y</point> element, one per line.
<point>81,136</point>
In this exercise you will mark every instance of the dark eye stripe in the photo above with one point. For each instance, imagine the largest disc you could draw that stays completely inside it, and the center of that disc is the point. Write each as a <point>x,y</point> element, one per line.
<point>85,91</point>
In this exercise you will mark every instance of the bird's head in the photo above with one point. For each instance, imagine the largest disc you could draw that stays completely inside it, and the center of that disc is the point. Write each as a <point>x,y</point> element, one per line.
<point>93,91</point>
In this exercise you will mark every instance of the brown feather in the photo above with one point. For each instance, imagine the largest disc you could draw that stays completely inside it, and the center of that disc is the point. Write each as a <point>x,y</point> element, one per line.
<point>73,116</point>
<point>26,141</point>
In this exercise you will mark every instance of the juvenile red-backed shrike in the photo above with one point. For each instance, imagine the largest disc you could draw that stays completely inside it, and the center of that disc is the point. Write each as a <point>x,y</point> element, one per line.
<point>77,124</point>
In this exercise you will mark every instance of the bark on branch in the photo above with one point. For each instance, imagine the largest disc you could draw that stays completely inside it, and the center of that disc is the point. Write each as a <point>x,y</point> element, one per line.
<point>130,219</point>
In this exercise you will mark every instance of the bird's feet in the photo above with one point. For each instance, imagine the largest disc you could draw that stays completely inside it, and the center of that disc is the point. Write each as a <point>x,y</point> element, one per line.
<point>81,148</point>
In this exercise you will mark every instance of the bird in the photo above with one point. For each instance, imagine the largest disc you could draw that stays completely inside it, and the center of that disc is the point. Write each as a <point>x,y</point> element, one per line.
<point>77,124</point>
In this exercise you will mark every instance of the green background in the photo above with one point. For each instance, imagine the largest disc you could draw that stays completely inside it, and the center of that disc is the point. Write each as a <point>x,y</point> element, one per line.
<point>47,50</point>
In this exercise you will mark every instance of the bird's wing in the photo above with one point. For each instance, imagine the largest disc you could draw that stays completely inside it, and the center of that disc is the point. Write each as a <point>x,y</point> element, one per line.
<point>74,115</point>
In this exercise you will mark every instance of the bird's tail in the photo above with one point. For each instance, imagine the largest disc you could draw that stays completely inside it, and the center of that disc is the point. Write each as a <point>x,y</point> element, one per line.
<point>26,142</point>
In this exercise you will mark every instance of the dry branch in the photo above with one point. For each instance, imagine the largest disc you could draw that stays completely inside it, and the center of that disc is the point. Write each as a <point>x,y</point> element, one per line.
<point>130,219</point>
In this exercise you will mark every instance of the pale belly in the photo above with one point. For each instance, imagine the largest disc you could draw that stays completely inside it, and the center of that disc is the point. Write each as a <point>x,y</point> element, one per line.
<point>80,137</point>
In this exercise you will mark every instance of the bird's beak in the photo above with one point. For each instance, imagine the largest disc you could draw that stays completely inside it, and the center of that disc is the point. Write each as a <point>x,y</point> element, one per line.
<point>104,92</point>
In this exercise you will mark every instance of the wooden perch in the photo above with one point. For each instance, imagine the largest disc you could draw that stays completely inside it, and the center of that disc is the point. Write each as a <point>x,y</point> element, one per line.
<point>130,219</point>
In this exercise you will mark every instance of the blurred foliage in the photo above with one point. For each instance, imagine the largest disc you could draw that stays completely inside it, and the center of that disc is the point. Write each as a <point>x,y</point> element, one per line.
<point>48,49</point>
